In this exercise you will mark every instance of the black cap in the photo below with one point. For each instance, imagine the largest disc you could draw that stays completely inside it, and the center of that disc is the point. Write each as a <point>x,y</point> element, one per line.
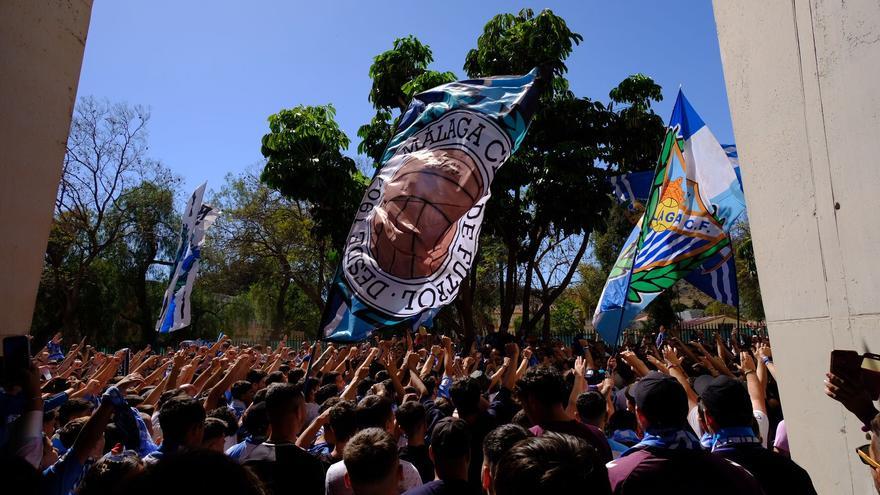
<point>662,400</point>
<point>726,399</point>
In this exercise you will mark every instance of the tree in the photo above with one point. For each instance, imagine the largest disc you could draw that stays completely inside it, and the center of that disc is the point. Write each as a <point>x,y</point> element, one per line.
<point>751,305</point>
<point>268,235</point>
<point>106,159</point>
<point>304,162</point>
<point>552,193</point>
<point>148,242</point>
<point>398,75</point>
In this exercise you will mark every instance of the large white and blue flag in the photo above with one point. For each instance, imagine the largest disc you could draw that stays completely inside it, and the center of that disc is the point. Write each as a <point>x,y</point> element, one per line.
<point>414,237</point>
<point>197,219</point>
<point>717,276</point>
<point>695,198</point>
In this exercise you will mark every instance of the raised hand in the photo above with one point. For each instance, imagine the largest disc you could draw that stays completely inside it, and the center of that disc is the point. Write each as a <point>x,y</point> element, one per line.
<point>580,366</point>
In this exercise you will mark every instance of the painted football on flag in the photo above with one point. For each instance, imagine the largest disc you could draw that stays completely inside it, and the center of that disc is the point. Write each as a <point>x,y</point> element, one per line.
<point>415,225</point>
<point>415,234</point>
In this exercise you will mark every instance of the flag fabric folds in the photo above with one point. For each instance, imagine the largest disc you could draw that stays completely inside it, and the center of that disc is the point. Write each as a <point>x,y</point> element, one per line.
<point>717,276</point>
<point>694,199</point>
<point>414,236</point>
<point>197,219</point>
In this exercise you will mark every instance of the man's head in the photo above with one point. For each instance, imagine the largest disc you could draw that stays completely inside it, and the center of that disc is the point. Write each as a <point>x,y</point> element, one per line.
<point>661,402</point>
<point>451,448</point>
<point>255,421</point>
<point>465,395</point>
<point>726,402</point>
<point>495,445</point>
<point>215,434</point>
<point>343,421</point>
<point>244,391</point>
<point>72,409</point>
<point>553,463</point>
<point>285,407</point>
<point>541,390</point>
<point>374,411</point>
<point>411,419</point>
<point>182,421</point>
<point>591,409</point>
<point>371,462</point>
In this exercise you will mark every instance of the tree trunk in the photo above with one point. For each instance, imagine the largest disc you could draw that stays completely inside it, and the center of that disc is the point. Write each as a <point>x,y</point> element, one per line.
<point>464,305</point>
<point>556,292</point>
<point>526,325</point>
<point>545,331</point>
<point>509,291</point>
<point>278,324</point>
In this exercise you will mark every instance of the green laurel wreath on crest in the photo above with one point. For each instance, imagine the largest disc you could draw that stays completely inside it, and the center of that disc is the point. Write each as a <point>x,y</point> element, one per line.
<point>661,278</point>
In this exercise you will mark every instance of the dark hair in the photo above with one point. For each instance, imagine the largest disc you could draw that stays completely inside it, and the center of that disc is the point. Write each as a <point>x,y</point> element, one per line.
<point>500,440</point>
<point>444,406</point>
<point>109,473</point>
<point>522,419</point>
<point>260,396</point>
<point>370,456</point>
<point>73,407</point>
<point>544,384</point>
<point>343,420</point>
<point>175,474</point>
<point>240,388</point>
<point>410,415</point>
<point>552,463</point>
<point>255,376</point>
<point>225,414</point>
<point>364,386</point>
<point>68,433</point>
<point>591,406</point>
<point>214,428</point>
<point>295,375</point>
<point>450,441</point>
<point>326,392</point>
<point>465,395</point>
<point>275,377</point>
<point>19,476</point>
<point>283,399</point>
<point>255,420</point>
<point>622,420</point>
<point>178,416</point>
<point>373,411</point>
<point>329,378</point>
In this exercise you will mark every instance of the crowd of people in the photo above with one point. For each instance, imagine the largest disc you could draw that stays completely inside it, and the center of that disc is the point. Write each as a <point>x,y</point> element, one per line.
<point>417,414</point>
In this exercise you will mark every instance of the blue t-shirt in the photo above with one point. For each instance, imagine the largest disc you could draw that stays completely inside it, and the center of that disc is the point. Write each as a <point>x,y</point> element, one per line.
<point>62,477</point>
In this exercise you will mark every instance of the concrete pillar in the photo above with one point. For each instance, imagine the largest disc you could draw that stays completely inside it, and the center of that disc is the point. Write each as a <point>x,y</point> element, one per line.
<point>41,52</point>
<point>802,81</point>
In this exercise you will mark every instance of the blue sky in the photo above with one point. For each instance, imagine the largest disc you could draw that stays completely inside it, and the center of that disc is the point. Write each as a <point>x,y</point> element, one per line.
<point>212,72</point>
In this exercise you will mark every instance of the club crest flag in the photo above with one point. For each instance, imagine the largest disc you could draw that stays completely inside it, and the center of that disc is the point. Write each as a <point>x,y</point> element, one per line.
<point>716,277</point>
<point>197,219</point>
<point>414,236</point>
<point>695,197</point>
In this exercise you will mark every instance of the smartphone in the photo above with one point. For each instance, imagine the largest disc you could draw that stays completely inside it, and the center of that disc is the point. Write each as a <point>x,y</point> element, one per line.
<point>16,354</point>
<point>126,362</point>
<point>865,367</point>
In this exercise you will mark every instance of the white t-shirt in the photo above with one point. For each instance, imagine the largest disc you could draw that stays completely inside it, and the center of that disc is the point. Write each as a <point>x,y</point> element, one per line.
<point>335,480</point>
<point>761,418</point>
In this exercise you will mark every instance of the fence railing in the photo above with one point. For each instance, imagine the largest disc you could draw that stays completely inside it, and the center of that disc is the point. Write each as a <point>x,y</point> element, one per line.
<point>685,333</point>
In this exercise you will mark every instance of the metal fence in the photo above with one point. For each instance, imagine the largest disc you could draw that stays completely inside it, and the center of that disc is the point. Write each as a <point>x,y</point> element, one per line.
<point>685,333</point>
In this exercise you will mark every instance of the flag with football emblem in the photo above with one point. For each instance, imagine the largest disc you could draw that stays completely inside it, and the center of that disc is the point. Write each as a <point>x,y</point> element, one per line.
<point>414,236</point>
<point>716,277</point>
<point>695,198</point>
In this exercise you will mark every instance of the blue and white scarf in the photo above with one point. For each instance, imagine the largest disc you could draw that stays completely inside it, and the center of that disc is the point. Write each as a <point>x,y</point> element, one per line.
<point>729,438</point>
<point>667,438</point>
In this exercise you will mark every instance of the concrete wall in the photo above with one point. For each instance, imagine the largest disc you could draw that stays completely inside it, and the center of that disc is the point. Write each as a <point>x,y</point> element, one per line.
<point>41,51</point>
<point>803,81</point>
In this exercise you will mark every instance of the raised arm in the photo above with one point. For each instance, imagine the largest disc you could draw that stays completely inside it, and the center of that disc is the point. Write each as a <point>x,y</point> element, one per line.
<point>756,392</point>
<point>673,364</point>
<point>579,386</point>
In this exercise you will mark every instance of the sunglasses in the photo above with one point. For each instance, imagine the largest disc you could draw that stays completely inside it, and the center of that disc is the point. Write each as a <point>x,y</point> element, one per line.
<point>866,457</point>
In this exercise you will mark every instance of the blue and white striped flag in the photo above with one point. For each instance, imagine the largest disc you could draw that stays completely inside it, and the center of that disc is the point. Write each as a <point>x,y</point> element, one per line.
<point>717,276</point>
<point>197,219</point>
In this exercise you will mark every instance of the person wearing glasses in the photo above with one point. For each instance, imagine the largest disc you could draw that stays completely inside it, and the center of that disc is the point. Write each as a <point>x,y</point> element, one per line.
<point>870,452</point>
